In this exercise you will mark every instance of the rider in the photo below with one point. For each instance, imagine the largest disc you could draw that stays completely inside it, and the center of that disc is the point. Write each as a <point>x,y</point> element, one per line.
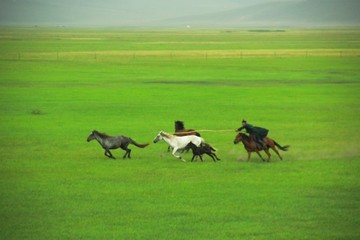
<point>257,133</point>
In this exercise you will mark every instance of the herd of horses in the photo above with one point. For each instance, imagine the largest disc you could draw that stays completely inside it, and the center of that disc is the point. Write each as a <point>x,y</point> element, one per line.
<point>184,140</point>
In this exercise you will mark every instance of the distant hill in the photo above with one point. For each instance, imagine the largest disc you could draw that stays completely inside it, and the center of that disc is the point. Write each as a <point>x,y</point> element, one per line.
<point>280,14</point>
<point>61,12</point>
<point>162,13</point>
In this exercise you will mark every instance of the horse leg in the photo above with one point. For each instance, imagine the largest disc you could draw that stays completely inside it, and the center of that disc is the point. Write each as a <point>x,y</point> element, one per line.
<point>249,155</point>
<point>268,154</point>
<point>210,154</point>
<point>216,156</point>
<point>276,151</point>
<point>108,154</point>
<point>127,150</point>
<point>177,156</point>
<point>201,157</point>
<point>260,156</point>
<point>127,153</point>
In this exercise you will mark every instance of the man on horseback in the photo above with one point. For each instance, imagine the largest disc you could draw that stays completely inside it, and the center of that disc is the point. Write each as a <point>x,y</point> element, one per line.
<point>257,133</point>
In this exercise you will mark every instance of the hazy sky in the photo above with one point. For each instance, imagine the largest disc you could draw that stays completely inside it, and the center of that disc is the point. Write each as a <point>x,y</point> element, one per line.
<point>149,12</point>
<point>112,10</point>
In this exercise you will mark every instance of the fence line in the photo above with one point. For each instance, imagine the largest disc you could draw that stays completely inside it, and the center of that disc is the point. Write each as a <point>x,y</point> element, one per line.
<point>173,55</point>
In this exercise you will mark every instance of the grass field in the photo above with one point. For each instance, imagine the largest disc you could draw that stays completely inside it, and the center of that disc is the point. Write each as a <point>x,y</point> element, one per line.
<point>57,85</point>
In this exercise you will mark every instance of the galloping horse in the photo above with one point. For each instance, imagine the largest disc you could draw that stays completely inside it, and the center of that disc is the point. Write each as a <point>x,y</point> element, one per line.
<point>181,131</point>
<point>108,142</point>
<point>204,148</point>
<point>177,142</point>
<point>250,146</point>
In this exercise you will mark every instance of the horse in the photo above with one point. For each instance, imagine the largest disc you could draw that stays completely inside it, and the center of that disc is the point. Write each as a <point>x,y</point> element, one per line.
<point>177,142</point>
<point>204,148</point>
<point>108,142</point>
<point>251,146</point>
<point>181,131</point>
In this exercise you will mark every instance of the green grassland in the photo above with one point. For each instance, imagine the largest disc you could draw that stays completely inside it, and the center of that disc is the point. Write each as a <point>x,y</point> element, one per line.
<point>58,84</point>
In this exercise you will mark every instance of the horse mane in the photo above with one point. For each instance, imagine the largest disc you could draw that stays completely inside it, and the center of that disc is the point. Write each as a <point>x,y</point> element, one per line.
<point>102,135</point>
<point>168,135</point>
<point>245,136</point>
<point>179,125</point>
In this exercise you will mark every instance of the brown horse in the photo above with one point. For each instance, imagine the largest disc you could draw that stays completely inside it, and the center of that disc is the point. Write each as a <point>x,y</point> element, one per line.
<point>251,146</point>
<point>181,131</point>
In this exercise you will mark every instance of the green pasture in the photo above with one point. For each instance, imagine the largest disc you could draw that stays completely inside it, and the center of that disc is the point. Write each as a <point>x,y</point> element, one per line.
<point>59,84</point>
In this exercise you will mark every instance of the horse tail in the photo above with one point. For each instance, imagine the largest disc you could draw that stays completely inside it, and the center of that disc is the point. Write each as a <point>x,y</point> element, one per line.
<point>138,144</point>
<point>210,147</point>
<point>284,148</point>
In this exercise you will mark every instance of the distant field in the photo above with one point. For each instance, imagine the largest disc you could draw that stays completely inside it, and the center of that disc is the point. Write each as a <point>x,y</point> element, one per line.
<point>57,85</point>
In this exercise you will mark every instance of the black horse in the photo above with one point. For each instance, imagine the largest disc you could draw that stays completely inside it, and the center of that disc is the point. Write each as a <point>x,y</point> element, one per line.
<point>204,148</point>
<point>108,142</point>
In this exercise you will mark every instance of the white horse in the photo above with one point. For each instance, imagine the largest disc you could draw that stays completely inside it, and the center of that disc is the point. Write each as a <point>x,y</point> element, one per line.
<point>178,142</point>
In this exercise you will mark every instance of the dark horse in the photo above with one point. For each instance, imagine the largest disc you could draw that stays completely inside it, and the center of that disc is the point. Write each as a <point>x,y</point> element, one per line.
<point>204,148</point>
<point>108,142</point>
<point>251,146</point>
<point>181,131</point>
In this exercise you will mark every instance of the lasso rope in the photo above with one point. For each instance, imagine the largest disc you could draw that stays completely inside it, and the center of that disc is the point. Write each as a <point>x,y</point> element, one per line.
<point>208,130</point>
<point>204,130</point>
